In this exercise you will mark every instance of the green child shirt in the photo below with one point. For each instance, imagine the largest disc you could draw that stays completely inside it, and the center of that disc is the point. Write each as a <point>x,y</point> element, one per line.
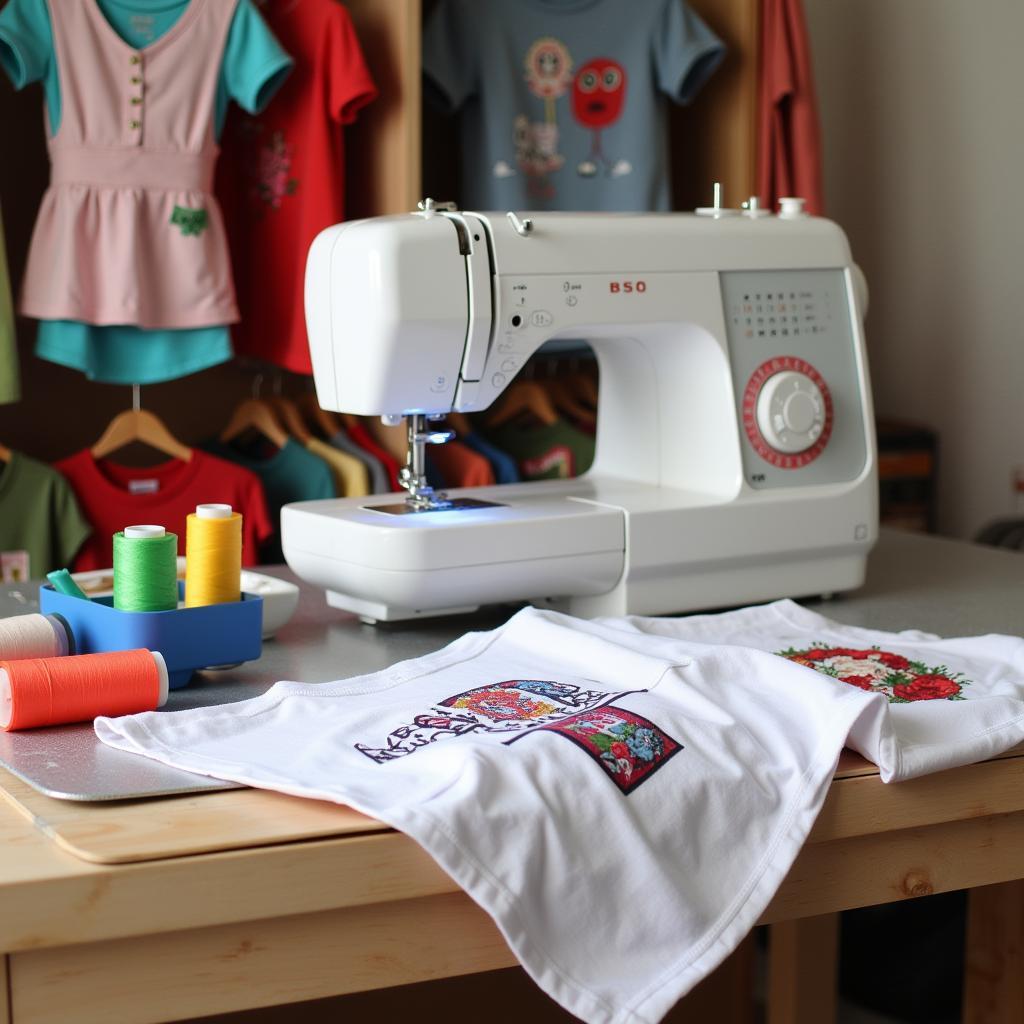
<point>41,526</point>
<point>8,349</point>
<point>555,452</point>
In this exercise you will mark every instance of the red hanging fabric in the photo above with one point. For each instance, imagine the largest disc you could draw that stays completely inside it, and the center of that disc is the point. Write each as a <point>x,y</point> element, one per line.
<point>789,134</point>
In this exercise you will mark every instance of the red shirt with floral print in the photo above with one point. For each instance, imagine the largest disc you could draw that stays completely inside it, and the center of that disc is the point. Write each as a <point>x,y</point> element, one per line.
<point>281,175</point>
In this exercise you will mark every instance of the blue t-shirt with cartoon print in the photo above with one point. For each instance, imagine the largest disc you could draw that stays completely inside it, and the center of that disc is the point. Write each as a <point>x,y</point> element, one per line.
<point>564,103</point>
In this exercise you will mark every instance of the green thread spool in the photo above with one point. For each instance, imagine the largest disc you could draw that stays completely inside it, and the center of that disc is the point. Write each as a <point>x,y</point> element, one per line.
<point>145,569</point>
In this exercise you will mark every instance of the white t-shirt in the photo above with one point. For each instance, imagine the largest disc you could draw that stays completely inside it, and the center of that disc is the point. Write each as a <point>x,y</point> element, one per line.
<point>623,804</point>
<point>950,701</point>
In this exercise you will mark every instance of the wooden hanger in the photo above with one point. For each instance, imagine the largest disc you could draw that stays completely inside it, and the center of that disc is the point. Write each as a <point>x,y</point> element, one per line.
<point>567,402</point>
<point>254,414</point>
<point>526,396</point>
<point>584,387</point>
<point>289,417</point>
<point>349,420</point>
<point>138,424</point>
<point>326,422</point>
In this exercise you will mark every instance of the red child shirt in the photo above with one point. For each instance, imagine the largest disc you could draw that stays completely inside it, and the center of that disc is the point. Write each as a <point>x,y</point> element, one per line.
<point>113,496</point>
<point>281,176</point>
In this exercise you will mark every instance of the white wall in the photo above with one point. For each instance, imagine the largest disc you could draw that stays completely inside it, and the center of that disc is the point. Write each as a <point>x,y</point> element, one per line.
<point>922,107</point>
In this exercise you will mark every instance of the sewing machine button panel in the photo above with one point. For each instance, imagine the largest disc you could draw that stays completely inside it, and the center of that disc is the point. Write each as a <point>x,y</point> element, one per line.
<point>796,376</point>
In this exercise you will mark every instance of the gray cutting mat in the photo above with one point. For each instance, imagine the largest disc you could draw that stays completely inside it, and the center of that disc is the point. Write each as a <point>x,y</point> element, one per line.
<point>319,644</point>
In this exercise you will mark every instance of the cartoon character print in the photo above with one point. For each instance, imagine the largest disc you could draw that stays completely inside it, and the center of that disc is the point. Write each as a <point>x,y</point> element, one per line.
<point>536,156</point>
<point>902,680</point>
<point>598,96</point>
<point>548,76</point>
<point>548,72</point>
<point>627,746</point>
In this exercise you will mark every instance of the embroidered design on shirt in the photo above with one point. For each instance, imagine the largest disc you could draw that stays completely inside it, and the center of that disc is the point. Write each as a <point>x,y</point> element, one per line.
<point>900,679</point>
<point>548,76</point>
<point>598,96</point>
<point>510,706</point>
<point>629,747</point>
<point>559,458</point>
<point>191,221</point>
<point>537,155</point>
<point>274,179</point>
<point>518,700</point>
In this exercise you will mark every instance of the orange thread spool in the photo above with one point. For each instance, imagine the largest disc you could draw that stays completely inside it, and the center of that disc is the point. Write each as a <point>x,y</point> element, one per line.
<point>54,691</point>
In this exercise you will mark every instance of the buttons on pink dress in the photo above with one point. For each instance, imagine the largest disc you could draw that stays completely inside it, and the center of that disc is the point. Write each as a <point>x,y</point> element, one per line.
<point>135,101</point>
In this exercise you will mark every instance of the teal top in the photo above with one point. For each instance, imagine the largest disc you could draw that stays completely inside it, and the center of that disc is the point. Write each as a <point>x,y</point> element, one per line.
<point>253,67</point>
<point>288,474</point>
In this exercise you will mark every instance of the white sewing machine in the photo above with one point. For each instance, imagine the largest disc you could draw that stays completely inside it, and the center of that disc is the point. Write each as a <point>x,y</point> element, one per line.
<point>735,443</point>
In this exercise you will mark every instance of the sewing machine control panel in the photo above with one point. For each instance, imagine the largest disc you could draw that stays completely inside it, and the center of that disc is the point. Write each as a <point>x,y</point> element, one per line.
<point>795,376</point>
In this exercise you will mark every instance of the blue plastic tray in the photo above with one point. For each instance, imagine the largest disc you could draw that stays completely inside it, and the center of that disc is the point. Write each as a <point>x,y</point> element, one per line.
<point>188,638</point>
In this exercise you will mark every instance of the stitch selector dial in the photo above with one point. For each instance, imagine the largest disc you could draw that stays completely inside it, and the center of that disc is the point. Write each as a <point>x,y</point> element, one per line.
<point>787,412</point>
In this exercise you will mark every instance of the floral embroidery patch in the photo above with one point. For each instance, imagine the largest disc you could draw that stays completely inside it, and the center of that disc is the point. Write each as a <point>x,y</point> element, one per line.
<point>274,178</point>
<point>629,747</point>
<point>517,700</point>
<point>900,679</point>
<point>190,221</point>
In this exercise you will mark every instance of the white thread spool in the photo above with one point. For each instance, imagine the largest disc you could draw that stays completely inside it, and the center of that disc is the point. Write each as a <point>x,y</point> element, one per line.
<point>34,636</point>
<point>144,532</point>
<point>214,511</point>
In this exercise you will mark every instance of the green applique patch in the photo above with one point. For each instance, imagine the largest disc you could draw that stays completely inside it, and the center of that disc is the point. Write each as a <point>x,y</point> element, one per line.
<point>191,222</point>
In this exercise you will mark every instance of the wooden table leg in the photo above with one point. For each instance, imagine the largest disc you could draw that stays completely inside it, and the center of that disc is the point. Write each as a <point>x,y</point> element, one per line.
<point>5,991</point>
<point>994,968</point>
<point>726,996</point>
<point>803,961</point>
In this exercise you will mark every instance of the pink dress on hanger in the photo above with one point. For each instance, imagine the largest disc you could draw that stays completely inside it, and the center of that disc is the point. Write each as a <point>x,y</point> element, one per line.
<point>128,231</point>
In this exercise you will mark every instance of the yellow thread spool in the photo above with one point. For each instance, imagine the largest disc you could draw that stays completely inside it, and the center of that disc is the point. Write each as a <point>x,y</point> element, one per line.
<point>213,556</point>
